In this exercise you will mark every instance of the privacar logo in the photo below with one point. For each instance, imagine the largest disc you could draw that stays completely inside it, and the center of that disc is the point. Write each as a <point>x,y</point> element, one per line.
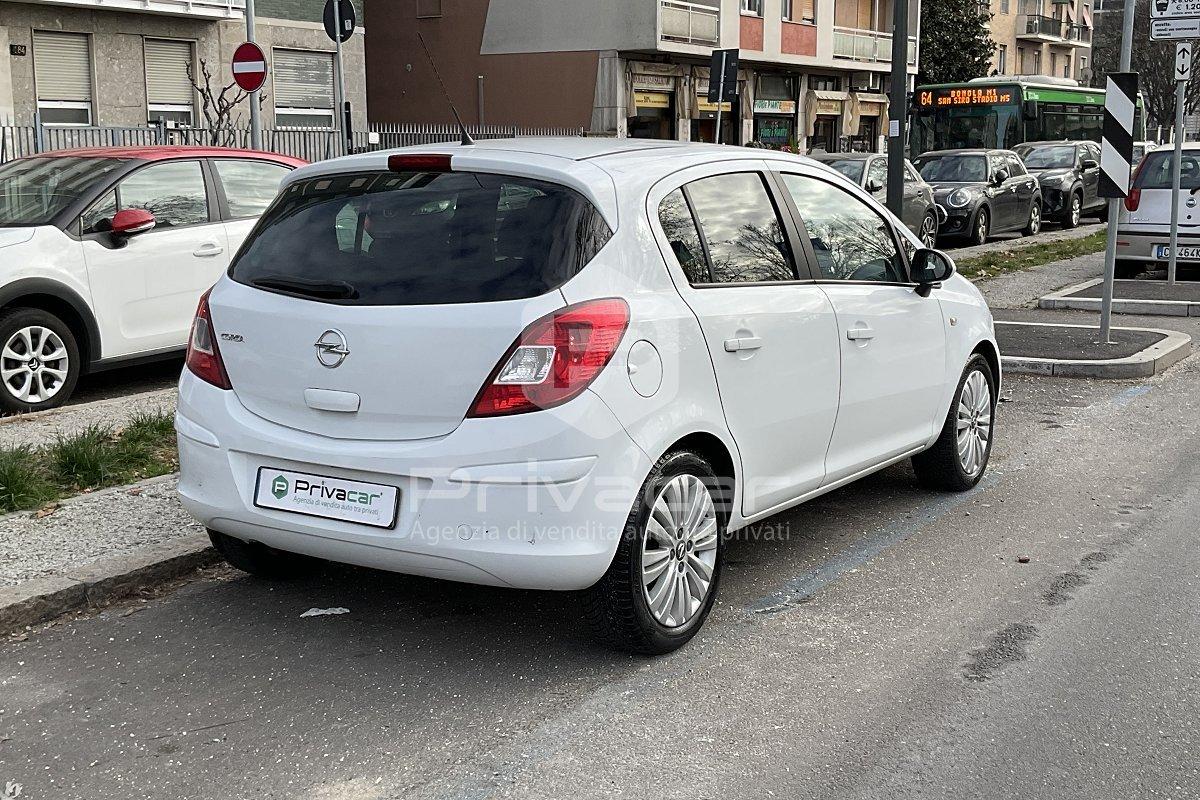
<point>279,487</point>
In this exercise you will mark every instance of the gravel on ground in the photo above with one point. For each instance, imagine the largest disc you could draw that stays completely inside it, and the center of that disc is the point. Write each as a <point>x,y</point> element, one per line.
<point>42,428</point>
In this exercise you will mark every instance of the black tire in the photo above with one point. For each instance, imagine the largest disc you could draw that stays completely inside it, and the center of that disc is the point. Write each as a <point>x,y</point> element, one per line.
<point>983,227</point>
<point>1074,210</point>
<point>1035,218</point>
<point>45,372</point>
<point>1102,211</point>
<point>1125,269</point>
<point>258,559</point>
<point>616,606</point>
<point>940,467</point>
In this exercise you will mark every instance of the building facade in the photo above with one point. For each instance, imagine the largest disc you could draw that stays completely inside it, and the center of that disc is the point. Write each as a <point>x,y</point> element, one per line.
<point>1043,37</point>
<point>814,73</point>
<point>127,62</point>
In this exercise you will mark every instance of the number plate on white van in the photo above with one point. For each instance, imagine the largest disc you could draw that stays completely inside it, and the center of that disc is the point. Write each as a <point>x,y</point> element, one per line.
<point>1162,251</point>
<point>332,498</point>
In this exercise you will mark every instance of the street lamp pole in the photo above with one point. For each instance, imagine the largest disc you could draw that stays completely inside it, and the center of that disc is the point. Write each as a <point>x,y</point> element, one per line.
<point>255,119</point>
<point>898,107</point>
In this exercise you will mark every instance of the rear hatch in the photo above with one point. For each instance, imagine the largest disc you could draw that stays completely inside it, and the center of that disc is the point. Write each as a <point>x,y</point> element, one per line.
<point>396,292</point>
<point>1153,192</point>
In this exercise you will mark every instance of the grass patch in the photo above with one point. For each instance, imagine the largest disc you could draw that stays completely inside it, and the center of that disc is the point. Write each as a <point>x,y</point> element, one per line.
<point>94,458</point>
<point>998,262</point>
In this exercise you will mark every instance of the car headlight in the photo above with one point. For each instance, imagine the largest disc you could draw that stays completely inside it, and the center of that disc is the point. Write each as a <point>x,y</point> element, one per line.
<point>958,198</point>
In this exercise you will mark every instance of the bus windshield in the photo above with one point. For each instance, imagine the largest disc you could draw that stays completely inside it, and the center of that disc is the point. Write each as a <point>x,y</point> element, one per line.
<point>952,127</point>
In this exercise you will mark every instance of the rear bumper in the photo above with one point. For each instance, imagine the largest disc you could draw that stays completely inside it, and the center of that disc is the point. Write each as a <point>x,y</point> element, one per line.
<point>1139,245</point>
<point>534,501</point>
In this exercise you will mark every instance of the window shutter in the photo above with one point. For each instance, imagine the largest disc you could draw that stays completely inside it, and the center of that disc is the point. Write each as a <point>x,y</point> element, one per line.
<point>808,12</point>
<point>167,64</point>
<point>62,66</point>
<point>303,80</point>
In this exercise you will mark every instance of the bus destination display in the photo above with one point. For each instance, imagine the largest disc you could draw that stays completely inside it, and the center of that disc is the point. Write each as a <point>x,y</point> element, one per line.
<point>969,96</point>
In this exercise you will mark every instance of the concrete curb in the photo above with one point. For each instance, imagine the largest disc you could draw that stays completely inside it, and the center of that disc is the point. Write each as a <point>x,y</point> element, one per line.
<point>102,582</point>
<point>1152,308</point>
<point>1153,360</point>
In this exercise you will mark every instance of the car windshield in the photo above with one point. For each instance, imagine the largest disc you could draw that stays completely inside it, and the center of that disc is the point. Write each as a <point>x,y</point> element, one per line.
<point>419,238</point>
<point>1155,171</point>
<point>34,190</point>
<point>1049,157</point>
<point>953,169</point>
<point>852,168</point>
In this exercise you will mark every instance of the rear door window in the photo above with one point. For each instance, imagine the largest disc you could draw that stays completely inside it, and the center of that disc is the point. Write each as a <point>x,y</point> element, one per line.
<point>1155,171</point>
<point>249,186</point>
<point>741,228</point>
<point>421,238</point>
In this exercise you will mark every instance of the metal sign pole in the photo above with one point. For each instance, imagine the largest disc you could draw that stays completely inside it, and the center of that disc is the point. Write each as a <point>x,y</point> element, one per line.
<point>720,94</point>
<point>1180,87</point>
<point>341,77</point>
<point>255,118</point>
<point>1114,204</point>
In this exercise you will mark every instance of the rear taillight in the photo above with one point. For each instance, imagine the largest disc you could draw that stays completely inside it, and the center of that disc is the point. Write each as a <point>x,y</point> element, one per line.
<point>1133,199</point>
<point>203,355</point>
<point>554,359</point>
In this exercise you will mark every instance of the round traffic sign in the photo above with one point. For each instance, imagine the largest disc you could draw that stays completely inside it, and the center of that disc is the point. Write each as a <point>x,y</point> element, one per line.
<point>346,17</point>
<point>249,66</point>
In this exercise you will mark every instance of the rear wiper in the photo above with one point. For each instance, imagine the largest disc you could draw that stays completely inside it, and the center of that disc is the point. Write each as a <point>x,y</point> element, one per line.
<point>325,290</point>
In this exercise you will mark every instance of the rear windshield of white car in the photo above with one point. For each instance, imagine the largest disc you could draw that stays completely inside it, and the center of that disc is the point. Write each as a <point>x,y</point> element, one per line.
<point>1155,171</point>
<point>420,238</point>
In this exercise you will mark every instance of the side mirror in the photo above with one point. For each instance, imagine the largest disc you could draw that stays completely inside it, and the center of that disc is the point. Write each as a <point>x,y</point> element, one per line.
<point>874,185</point>
<point>130,222</point>
<point>930,268</point>
<point>1000,177</point>
<point>1090,163</point>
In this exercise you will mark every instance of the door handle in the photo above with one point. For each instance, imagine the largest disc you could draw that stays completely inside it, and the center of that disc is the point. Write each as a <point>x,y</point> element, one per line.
<point>745,343</point>
<point>860,334</point>
<point>208,250</point>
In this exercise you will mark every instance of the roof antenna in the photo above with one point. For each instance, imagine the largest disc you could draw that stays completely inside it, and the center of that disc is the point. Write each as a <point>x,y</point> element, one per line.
<point>466,137</point>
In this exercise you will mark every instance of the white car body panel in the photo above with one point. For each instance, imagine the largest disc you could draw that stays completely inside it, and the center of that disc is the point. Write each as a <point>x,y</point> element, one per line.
<point>538,500</point>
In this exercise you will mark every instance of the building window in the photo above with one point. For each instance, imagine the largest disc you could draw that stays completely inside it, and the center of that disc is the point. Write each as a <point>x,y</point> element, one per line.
<point>787,10</point>
<point>169,93</point>
<point>825,83</point>
<point>1054,63</point>
<point>1004,7</point>
<point>1037,62</point>
<point>1067,67</point>
<point>303,89</point>
<point>752,7</point>
<point>808,11</point>
<point>1002,59</point>
<point>62,71</point>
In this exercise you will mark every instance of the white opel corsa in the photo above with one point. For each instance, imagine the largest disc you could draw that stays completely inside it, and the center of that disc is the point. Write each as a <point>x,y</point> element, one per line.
<point>571,364</point>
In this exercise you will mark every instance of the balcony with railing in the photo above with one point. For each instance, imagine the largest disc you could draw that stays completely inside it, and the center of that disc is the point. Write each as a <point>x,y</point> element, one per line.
<point>1079,35</point>
<point>1039,28</point>
<point>690,23</point>
<point>872,47</point>
<point>195,9</point>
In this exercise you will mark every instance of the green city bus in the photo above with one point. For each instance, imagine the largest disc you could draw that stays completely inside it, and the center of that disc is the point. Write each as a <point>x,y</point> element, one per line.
<point>1004,111</point>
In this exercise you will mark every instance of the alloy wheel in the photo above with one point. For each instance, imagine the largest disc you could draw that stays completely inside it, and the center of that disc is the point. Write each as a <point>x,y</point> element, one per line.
<point>974,423</point>
<point>928,235</point>
<point>1076,210</point>
<point>679,550</point>
<point>34,364</point>
<point>1035,219</point>
<point>981,227</point>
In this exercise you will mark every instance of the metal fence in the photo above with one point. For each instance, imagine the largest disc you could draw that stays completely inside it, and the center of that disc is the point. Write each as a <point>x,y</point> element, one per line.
<point>312,144</point>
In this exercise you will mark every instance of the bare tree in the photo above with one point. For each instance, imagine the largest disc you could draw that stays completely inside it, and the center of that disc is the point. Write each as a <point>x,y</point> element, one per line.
<point>218,106</point>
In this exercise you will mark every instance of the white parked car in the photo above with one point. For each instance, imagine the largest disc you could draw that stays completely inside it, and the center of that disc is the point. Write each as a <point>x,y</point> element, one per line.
<point>571,364</point>
<point>106,251</point>
<point>1144,227</point>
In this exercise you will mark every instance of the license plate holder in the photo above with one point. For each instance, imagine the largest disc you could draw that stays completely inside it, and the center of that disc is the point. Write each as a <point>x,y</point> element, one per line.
<point>341,499</point>
<point>1186,253</point>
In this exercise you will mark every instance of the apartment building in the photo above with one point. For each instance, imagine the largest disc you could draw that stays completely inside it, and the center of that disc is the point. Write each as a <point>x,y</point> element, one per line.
<point>814,73</point>
<point>1043,37</point>
<point>126,62</point>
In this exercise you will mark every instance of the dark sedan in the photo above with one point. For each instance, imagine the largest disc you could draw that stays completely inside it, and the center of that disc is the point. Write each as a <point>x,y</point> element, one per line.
<point>1069,174</point>
<point>869,170</point>
<point>982,192</point>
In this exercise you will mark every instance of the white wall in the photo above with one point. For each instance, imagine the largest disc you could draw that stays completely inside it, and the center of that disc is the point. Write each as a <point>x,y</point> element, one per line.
<point>6,90</point>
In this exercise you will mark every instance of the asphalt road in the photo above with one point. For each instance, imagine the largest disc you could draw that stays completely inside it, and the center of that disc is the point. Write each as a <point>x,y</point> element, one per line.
<point>879,642</point>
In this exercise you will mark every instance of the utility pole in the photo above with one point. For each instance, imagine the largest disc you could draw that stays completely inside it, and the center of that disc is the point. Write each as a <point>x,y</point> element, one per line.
<point>1114,204</point>
<point>341,76</point>
<point>255,119</point>
<point>898,107</point>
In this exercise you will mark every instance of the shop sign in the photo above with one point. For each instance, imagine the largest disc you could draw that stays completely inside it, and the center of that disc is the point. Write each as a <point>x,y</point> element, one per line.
<point>775,131</point>
<point>829,107</point>
<point>774,106</point>
<point>658,82</point>
<point>651,100</point>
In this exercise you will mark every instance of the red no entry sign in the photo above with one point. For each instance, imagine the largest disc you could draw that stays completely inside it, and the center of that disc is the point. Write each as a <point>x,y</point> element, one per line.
<point>249,66</point>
